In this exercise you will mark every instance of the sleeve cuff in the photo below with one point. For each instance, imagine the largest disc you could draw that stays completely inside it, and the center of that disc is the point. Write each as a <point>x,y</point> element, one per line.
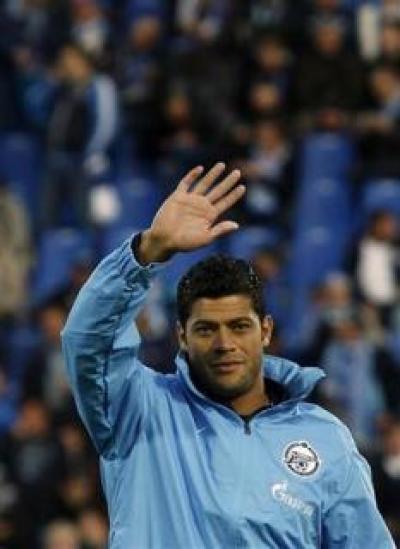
<point>129,264</point>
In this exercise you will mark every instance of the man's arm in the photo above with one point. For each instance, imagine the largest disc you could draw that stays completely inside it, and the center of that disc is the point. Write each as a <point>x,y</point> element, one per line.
<point>113,391</point>
<point>354,520</point>
<point>100,343</point>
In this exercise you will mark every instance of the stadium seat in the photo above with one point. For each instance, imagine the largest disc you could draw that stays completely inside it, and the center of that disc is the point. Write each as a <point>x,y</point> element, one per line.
<point>59,250</point>
<point>20,165</point>
<point>140,198</point>
<point>381,194</point>
<point>326,155</point>
<point>113,236</point>
<point>245,242</point>
<point>324,201</point>
<point>316,252</point>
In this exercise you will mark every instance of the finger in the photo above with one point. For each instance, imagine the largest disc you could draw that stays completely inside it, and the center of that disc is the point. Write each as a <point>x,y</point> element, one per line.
<point>224,227</point>
<point>226,185</point>
<point>187,181</point>
<point>209,179</point>
<point>230,199</point>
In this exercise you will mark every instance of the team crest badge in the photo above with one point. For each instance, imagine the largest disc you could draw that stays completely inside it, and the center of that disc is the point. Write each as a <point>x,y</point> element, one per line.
<point>301,458</point>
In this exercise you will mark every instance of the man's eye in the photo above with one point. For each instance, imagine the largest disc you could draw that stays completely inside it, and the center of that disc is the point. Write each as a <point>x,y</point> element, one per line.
<point>241,327</point>
<point>203,330</point>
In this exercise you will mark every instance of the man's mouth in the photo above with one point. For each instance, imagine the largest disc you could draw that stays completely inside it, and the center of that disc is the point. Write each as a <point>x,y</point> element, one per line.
<point>226,366</point>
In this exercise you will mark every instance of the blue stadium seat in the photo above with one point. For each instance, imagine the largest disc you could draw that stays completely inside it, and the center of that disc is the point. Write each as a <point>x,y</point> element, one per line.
<point>381,194</point>
<point>326,155</point>
<point>59,251</point>
<point>324,201</point>
<point>140,199</point>
<point>323,220</point>
<point>316,252</point>
<point>113,236</point>
<point>245,242</point>
<point>20,166</point>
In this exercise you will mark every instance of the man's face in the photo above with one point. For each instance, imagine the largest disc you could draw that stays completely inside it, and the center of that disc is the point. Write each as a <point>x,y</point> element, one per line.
<point>72,67</point>
<point>224,340</point>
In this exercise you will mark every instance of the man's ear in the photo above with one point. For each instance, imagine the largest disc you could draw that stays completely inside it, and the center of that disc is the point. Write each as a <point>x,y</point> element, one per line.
<point>180,332</point>
<point>267,326</point>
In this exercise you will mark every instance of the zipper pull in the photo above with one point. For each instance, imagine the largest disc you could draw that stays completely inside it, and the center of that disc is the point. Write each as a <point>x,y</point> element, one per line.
<point>247,429</point>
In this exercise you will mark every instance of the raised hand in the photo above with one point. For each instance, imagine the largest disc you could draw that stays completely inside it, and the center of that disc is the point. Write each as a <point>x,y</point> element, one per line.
<point>188,219</point>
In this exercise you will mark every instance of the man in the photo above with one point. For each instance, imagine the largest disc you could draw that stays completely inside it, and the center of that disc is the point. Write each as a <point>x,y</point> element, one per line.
<point>223,453</point>
<point>78,112</point>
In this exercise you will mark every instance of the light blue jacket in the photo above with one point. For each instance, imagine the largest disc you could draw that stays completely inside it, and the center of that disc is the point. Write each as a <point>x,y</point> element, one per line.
<point>182,472</point>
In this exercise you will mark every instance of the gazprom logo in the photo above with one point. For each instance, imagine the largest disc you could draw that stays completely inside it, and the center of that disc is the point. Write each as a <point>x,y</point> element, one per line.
<point>280,493</point>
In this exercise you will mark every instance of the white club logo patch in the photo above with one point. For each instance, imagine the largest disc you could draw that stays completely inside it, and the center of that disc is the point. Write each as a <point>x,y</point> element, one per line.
<point>301,458</point>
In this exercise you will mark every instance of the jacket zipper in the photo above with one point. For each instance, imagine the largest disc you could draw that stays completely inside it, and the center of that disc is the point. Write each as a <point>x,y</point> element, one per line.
<point>247,428</point>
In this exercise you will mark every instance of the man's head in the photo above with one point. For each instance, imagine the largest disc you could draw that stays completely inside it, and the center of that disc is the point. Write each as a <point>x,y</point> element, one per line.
<point>74,64</point>
<point>383,226</point>
<point>222,327</point>
<point>328,36</point>
<point>384,82</point>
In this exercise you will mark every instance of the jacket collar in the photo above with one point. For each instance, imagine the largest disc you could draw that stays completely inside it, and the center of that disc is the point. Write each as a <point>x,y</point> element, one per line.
<point>297,381</point>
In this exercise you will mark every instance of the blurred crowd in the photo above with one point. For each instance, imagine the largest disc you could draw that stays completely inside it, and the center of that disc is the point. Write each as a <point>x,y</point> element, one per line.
<point>152,88</point>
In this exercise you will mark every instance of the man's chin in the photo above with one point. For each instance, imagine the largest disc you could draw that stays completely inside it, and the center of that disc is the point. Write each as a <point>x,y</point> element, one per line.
<point>226,390</point>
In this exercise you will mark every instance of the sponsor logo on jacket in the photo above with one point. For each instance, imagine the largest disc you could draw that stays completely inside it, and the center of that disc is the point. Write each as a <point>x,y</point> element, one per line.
<point>280,493</point>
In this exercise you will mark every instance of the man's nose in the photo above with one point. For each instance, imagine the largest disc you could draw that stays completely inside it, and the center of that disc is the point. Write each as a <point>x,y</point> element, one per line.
<point>223,341</point>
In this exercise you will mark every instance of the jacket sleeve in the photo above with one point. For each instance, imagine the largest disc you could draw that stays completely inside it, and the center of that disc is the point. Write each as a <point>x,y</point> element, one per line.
<point>100,343</point>
<point>353,521</point>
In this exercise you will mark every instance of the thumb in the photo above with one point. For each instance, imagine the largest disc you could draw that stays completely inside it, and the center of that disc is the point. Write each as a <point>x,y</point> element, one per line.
<point>222,228</point>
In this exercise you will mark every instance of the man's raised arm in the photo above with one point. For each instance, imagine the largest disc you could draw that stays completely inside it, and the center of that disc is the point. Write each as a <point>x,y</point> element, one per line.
<point>100,340</point>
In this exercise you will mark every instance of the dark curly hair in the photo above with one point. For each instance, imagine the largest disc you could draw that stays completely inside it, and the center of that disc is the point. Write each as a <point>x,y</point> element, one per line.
<point>218,276</point>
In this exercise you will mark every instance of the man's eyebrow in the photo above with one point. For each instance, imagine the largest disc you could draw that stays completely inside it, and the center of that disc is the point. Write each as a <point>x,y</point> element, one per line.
<point>240,319</point>
<point>204,321</point>
<point>207,322</point>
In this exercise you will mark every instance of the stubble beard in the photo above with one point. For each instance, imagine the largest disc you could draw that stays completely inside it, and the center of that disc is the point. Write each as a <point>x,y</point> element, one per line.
<point>209,384</point>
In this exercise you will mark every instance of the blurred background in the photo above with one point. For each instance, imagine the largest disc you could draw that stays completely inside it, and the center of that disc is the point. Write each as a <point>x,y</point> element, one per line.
<point>104,105</point>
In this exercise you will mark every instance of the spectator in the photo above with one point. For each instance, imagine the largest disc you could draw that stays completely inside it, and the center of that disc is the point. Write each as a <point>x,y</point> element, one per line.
<point>9,106</point>
<point>331,302</point>
<point>203,22</point>
<point>45,376</point>
<point>378,26</point>
<point>34,458</point>
<point>268,264</point>
<point>82,109</point>
<point>268,13</point>
<point>328,9</point>
<point>265,99</point>
<point>90,28</point>
<point>78,492</point>
<point>61,534</point>
<point>272,64</point>
<point>390,10</point>
<point>268,174</point>
<point>329,75</point>
<point>378,262</point>
<point>386,474</point>
<point>390,44</point>
<point>43,26</point>
<point>93,529</point>
<point>353,388</point>
<point>140,76</point>
<point>181,143</point>
<point>15,253</point>
<point>80,271</point>
<point>379,129</point>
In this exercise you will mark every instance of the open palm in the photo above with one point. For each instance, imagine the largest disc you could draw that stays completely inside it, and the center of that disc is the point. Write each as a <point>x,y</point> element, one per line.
<point>188,218</point>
